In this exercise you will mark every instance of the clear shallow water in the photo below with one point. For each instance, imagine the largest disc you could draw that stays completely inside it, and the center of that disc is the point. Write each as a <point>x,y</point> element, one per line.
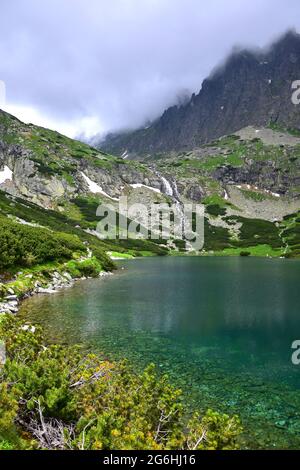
<point>221,328</point>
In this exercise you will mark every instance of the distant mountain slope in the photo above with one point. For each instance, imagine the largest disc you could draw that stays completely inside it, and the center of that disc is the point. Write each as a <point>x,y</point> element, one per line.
<point>252,88</point>
<point>249,183</point>
<point>50,169</point>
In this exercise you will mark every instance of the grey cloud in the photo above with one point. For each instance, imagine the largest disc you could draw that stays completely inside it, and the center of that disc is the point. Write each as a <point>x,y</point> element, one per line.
<point>124,61</point>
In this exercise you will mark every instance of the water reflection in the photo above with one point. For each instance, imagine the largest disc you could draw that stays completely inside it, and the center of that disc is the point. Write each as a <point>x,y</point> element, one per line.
<point>181,296</point>
<point>221,327</point>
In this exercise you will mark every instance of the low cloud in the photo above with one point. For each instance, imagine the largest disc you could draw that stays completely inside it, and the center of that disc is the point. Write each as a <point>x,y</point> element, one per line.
<point>88,66</point>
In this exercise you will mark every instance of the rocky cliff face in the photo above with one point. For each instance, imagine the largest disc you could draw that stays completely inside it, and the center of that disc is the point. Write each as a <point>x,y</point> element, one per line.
<point>253,174</point>
<point>53,171</point>
<point>49,169</point>
<point>252,88</point>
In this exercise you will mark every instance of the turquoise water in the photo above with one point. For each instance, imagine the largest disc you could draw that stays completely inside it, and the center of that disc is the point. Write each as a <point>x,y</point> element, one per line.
<point>221,328</point>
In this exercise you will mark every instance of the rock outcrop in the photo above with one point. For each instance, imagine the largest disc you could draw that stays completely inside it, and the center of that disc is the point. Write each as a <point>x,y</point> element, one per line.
<point>252,88</point>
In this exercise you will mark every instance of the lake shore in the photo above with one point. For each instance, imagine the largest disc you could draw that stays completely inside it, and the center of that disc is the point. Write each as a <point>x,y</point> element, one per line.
<point>221,328</point>
<point>47,279</point>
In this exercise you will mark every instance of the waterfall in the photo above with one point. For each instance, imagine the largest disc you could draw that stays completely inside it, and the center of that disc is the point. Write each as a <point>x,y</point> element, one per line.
<point>176,192</point>
<point>226,196</point>
<point>167,188</point>
<point>180,206</point>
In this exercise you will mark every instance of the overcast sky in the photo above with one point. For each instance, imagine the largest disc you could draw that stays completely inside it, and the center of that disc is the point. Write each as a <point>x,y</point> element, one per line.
<point>89,66</point>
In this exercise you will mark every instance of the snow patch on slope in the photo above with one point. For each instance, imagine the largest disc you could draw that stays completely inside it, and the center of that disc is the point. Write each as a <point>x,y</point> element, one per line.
<point>95,188</point>
<point>139,185</point>
<point>6,175</point>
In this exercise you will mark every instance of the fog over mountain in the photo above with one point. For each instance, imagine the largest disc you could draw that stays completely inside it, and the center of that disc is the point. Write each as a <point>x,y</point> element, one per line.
<point>94,67</point>
<point>252,88</point>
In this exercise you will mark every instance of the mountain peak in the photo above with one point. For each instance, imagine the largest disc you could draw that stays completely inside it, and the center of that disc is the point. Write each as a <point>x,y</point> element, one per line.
<point>252,87</point>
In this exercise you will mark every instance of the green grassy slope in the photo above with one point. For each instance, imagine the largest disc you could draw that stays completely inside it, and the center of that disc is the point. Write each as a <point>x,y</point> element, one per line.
<point>59,225</point>
<point>54,153</point>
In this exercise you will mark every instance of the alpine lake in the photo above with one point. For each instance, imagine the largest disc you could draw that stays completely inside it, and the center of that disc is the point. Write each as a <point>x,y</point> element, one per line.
<point>221,328</point>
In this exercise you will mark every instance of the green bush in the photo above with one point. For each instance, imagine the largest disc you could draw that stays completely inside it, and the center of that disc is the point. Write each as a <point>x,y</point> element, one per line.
<point>258,232</point>
<point>215,210</point>
<point>106,262</point>
<point>88,267</point>
<point>59,222</point>
<point>23,245</point>
<point>245,253</point>
<point>54,397</point>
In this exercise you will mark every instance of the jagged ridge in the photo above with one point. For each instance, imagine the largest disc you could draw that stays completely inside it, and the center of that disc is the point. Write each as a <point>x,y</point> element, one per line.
<point>252,88</point>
